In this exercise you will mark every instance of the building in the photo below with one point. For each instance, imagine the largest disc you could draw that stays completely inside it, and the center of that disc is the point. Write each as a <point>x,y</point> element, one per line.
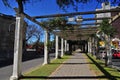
<point>116,23</point>
<point>7,33</point>
<point>7,29</point>
<point>105,6</point>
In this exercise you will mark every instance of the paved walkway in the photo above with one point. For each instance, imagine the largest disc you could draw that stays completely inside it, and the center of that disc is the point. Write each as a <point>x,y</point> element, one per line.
<point>76,68</point>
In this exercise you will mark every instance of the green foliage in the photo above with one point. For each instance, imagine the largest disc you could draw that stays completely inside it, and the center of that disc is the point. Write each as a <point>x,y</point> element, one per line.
<point>58,23</point>
<point>107,28</point>
<point>92,35</point>
<point>112,71</point>
<point>94,68</point>
<point>64,4</point>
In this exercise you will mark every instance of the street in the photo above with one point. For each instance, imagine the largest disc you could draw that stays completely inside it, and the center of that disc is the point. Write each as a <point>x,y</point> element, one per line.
<point>6,72</point>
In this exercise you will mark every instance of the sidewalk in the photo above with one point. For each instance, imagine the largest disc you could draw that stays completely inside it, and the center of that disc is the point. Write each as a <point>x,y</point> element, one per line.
<point>76,68</point>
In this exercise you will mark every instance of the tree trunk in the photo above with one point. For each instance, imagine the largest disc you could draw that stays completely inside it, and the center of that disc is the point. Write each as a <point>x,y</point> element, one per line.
<point>108,58</point>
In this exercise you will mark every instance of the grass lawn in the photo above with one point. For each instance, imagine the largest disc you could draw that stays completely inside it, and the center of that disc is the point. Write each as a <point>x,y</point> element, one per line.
<point>42,72</point>
<point>101,70</point>
<point>94,68</point>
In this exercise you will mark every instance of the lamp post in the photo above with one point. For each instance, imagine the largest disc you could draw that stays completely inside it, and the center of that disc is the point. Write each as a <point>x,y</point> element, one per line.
<point>79,19</point>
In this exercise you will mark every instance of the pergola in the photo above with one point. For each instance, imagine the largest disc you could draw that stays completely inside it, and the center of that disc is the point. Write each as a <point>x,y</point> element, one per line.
<point>88,30</point>
<point>76,34</point>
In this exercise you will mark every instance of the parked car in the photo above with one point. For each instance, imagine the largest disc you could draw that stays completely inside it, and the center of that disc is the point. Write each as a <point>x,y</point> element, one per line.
<point>116,55</point>
<point>102,54</point>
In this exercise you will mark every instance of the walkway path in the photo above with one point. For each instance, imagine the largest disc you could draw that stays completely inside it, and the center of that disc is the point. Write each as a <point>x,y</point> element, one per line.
<point>76,67</point>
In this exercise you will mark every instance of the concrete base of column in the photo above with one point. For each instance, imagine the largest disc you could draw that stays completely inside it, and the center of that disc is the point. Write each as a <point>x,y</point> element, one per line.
<point>45,63</point>
<point>14,78</point>
<point>58,57</point>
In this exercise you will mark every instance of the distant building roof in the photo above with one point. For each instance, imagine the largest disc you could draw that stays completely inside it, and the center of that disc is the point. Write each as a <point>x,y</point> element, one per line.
<point>7,16</point>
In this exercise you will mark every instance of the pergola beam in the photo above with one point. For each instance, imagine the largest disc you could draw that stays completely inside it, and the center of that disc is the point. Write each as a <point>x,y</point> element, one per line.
<point>80,33</point>
<point>86,24</point>
<point>77,13</point>
<point>35,21</point>
<point>74,34</point>
<point>90,24</point>
<point>88,19</point>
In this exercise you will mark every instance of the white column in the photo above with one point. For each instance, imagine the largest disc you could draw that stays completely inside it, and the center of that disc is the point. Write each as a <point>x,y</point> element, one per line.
<point>65,45</point>
<point>46,48</point>
<point>88,47</point>
<point>82,48</point>
<point>85,47</point>
<point>17,49</point>
<point>62,52</point>
<point>56,48</point>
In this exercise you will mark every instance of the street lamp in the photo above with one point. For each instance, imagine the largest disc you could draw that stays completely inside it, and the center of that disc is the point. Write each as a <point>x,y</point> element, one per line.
<point>79,19</point>
<point>71,19</point>
<point>75,19</point>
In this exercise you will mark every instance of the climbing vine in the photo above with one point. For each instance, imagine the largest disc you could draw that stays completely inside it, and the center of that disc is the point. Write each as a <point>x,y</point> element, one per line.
<point>58,23</point>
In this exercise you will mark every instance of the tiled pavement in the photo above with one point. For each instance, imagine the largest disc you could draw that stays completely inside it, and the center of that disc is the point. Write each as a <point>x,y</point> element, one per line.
<point>76,68</point>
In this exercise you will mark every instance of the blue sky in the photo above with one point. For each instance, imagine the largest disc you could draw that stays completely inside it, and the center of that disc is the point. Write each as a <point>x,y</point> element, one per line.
<point>47,7</point>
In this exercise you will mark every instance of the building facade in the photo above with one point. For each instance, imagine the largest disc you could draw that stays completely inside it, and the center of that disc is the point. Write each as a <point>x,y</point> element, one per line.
<point>7,30</point>
<point>7,35</point>
<point>116,23</point>
<point>105,6</point>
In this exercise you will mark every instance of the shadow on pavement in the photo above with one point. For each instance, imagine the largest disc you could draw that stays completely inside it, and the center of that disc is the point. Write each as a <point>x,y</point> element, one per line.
<point>62,77</point>
<point>107,74</point>
<point>65,77</point>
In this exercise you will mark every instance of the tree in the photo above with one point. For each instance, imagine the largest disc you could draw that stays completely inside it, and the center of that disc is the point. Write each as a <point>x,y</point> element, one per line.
<point>20,4</point>
<point>58,23</point>
<point>107,28</point>
<point>109,32</point>
<point>66,3</point>
<point>33,31</point>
